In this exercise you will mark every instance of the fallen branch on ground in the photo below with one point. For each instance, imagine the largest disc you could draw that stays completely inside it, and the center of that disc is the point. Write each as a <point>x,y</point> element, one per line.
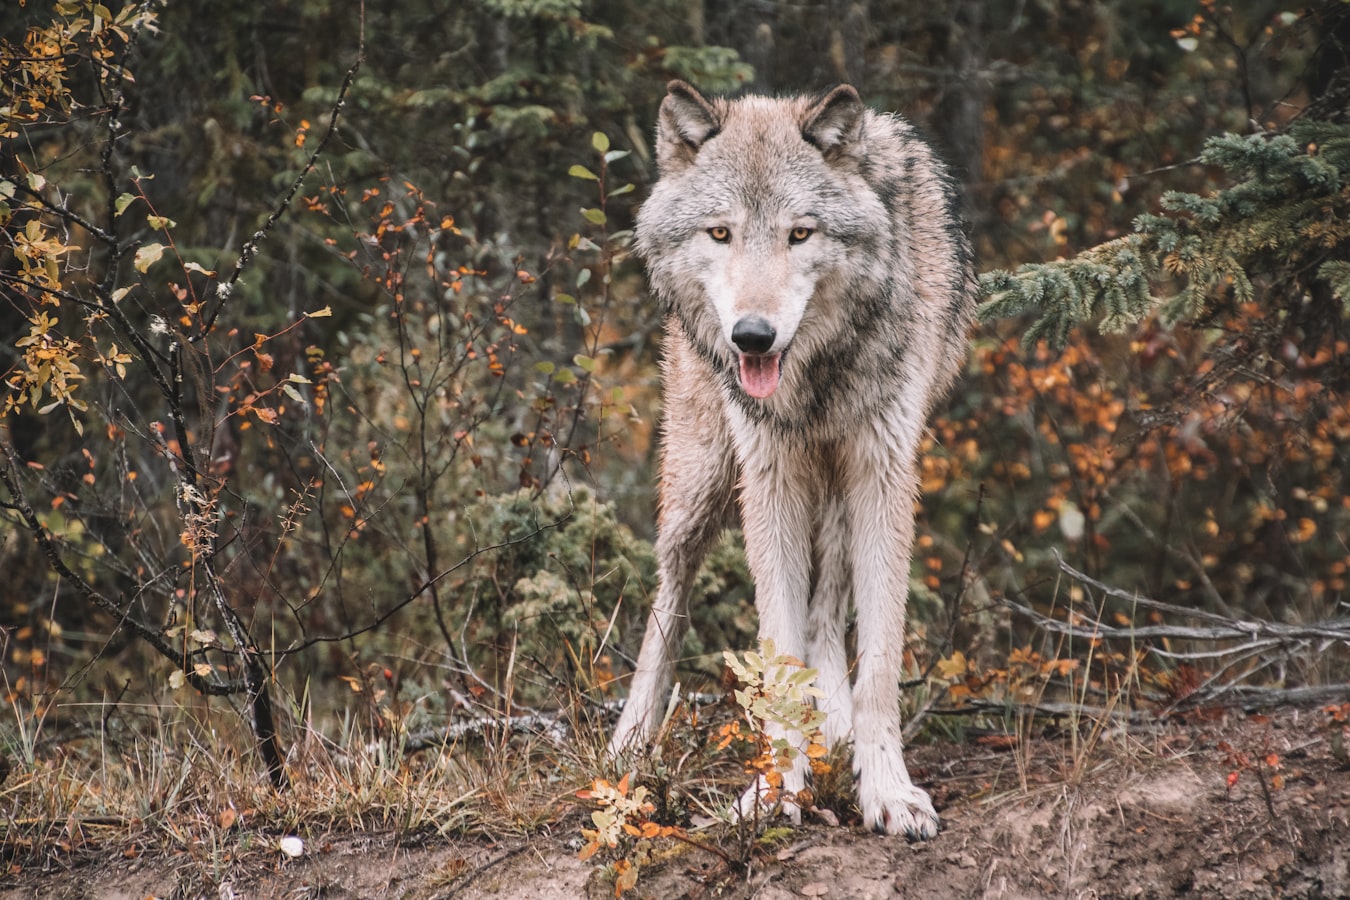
<point>1230,641</point>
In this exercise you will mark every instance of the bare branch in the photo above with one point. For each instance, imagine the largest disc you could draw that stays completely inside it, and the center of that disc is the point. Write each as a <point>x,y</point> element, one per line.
<point>250,248</point>
<point>1221,627</point>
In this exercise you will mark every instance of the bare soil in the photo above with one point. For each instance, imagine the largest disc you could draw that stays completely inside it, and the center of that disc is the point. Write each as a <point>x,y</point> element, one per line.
<point>1144,814</point>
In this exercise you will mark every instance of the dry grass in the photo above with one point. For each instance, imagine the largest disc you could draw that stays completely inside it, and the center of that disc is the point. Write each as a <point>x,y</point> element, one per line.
<point>179,780</point>
<point>183,782</point>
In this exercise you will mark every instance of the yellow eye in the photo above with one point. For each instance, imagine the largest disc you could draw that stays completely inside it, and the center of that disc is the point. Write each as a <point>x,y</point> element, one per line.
<point>720,234</point>
<point>799,234</point>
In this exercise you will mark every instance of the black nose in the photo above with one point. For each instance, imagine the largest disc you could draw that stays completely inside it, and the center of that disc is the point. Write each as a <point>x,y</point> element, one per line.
<point>753,334</point>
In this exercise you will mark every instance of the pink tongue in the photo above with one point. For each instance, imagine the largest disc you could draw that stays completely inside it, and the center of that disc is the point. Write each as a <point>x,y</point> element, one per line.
<point>759,374</point>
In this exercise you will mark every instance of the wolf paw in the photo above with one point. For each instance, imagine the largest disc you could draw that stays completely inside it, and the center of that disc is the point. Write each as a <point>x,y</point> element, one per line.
<point>907,810</point>
<point>626,743</point>
<point>754,805</point>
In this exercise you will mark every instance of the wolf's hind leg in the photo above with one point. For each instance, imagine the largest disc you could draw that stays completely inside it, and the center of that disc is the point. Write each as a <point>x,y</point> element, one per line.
<point>778,493</point>
<point>827,617</point>
<point>698,478</point>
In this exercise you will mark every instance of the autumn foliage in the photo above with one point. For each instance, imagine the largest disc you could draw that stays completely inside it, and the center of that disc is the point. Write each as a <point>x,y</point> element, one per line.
<point>329,381</point>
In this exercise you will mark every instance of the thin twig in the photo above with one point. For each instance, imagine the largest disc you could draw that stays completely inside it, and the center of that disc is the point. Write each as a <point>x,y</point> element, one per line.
<point>250,248</point>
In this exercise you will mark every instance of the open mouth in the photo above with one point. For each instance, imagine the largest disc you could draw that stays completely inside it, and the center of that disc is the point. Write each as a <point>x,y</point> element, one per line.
<point>760,373</point>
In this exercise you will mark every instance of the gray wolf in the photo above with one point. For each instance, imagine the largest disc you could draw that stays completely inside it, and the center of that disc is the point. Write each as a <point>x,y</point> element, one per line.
<point>819,289</point>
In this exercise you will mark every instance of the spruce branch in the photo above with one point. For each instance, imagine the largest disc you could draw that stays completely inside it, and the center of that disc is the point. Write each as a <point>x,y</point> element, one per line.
<point>1283,211</point>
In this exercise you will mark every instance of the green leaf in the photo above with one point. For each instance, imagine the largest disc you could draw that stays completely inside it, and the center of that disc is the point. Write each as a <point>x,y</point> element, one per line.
<point>565,376</point>
<point>159,223</point>
<point>584,362</point>
<point>544,368</point>
<point>122,202</point>
<point>583,277</point>
<point>36,182</point>
<point>147,256</point>
<point>600,142</point>
<point>583,172</point>
<point>627,188</point>
<point>594,216</point>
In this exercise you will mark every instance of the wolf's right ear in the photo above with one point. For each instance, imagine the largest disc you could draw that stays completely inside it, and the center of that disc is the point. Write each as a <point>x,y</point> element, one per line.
<point>833,124</point>
<point>686,121</point>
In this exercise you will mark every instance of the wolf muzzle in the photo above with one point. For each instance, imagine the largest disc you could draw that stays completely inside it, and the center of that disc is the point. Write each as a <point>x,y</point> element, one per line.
<point>760,369</point>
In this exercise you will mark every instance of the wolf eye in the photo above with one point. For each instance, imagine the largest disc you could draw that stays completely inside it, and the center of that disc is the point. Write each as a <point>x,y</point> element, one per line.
<point>799,234</point>
<point>719,233</point>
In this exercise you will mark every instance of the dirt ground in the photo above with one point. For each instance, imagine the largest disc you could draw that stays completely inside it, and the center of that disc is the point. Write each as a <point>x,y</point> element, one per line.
<point>1148,814</point>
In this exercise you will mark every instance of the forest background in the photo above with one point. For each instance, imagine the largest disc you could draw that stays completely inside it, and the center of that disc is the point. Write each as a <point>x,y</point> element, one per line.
<point>331,382</point>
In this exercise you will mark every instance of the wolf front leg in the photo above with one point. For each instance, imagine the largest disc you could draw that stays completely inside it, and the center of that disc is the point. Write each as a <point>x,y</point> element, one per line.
<point>881,494</point>
<point>698,477</point>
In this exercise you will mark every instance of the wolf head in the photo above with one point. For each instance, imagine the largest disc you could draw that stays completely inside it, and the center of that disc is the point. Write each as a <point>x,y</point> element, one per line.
<point>760,204</point>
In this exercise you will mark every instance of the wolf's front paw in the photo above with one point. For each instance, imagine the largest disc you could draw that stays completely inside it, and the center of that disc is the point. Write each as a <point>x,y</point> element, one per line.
<point>754,804</point>
<point>633,734</point>
<point>904,809</point>
<point>626,746</point>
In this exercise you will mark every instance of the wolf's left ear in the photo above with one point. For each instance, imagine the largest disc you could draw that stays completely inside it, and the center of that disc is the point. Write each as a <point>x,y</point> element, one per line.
<point>834,122</point>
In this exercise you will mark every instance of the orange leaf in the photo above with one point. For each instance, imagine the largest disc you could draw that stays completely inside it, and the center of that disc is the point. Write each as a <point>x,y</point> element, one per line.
<point>625,876</point>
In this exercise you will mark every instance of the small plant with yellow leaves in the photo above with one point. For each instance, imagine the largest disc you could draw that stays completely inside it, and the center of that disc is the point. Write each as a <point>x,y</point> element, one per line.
<point>621,825</point>
<point>777,702</point>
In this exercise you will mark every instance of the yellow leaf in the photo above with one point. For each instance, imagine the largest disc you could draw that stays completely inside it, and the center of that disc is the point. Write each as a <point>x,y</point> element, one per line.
<point>953,667</point>
<point>147,256</point>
